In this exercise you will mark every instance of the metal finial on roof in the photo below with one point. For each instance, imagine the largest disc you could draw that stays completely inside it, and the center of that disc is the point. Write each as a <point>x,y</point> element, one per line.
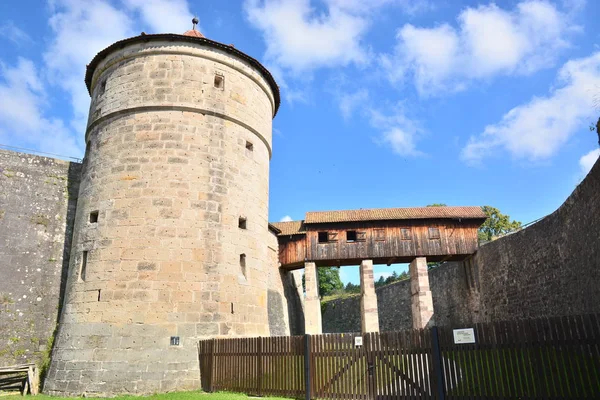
<point>195,22</point>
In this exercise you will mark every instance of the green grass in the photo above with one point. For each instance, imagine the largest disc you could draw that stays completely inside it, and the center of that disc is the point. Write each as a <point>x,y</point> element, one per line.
<point>165,396</point>
<point>337,296</point>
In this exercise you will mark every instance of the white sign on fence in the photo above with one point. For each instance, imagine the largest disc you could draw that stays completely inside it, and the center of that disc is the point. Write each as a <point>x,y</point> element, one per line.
<point>358,341</point>
<point>462,336</point>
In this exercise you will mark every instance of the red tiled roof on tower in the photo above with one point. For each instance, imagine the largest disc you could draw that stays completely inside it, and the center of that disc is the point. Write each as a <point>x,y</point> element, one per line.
<point>193,32</point>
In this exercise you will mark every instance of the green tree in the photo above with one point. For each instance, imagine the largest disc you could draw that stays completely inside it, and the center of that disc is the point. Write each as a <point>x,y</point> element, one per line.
<point>496,224</point>
<point>352,288</point>
<point>437,205</point>
<point>329,280</point>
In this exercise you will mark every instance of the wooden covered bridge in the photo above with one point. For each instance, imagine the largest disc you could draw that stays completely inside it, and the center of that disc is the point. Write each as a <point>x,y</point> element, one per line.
<point>377,236</point>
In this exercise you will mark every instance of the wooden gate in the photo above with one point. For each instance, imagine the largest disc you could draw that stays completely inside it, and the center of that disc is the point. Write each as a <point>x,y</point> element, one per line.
<point>386,366</point>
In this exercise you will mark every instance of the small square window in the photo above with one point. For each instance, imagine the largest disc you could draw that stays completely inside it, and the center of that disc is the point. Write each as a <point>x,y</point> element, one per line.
<point>350,236</point>
<point>379,234</point>
<point>174,340</point>
<point>323,237</point>
<point>434,233</point>
<point>94,217</point>
<point>220,82</point>
<point>405,234</point>
<point>242,223</point>
<point>249,146</point>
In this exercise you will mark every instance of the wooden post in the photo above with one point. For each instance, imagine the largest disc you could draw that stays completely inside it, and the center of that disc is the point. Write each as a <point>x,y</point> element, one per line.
<point>259,366</point>
<point>371,390</point>
<point>212,366</point>
<point>307,366</point>
<point>438,373</point>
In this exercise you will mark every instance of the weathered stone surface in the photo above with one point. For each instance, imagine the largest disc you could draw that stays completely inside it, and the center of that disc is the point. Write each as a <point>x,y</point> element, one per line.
<point>294,293</point>
<point>368,298</point>
<point>421,300</point>
<point>312,302</point>
<point>172,163</point>
<point>551,268</point>
<point>38,196</point>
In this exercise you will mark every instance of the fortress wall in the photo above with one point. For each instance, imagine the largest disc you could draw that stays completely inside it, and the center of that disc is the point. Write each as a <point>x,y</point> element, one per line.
<point>452,302</point>
<point>551,268</point>
<point>38,196</point>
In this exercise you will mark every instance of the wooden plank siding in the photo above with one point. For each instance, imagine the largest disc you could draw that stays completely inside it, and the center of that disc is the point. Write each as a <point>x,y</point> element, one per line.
<point>292,251</point>
<point>380,241</point>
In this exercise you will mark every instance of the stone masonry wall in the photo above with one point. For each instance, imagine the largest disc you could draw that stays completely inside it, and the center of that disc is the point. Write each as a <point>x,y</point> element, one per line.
<point>174,164</point>
<point>551,268</point>
<point>451,301</point>
<point>38,196</point>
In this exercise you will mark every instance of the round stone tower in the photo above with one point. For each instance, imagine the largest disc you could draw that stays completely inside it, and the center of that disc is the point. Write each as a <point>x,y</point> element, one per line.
<point>171,240</point>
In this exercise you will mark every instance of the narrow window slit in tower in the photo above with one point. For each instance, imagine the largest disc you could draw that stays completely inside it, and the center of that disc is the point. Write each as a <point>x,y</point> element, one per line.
<point>219,81</point>
<point>249,146</point>
<point>84,258</point>
<point>94,217</point>
<point>232,308</point>
<point>99,294</point>
<point>102,88</point>
<point>243,265</point>
<point>242,223</point>
<point>87,150</point>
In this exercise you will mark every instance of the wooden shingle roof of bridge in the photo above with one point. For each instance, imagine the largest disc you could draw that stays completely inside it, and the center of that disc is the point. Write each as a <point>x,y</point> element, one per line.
<point>379,214</point>
<point>383,214</point>
<point>290,228</point>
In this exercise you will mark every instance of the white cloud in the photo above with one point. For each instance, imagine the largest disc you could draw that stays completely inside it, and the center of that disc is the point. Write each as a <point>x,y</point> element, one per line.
<point>23,120</point>
<point>430,55</point>
<point>299,38</point>
<point>587,161</point>
<point>163,16</point>
<point>80,32</point>
<point>536,130</point>
<point>349,102</point>
<point>410,7</point>
<point>398,131</point>
<point>287,218</point>
<point>489,41</point>
<point>15,34</point>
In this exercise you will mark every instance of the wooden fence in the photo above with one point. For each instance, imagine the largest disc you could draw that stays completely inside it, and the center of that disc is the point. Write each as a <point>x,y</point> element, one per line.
<point>555,358</point>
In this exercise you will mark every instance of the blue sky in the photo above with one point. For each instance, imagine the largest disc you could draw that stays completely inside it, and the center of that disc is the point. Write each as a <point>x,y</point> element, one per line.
<point>385,103</point>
